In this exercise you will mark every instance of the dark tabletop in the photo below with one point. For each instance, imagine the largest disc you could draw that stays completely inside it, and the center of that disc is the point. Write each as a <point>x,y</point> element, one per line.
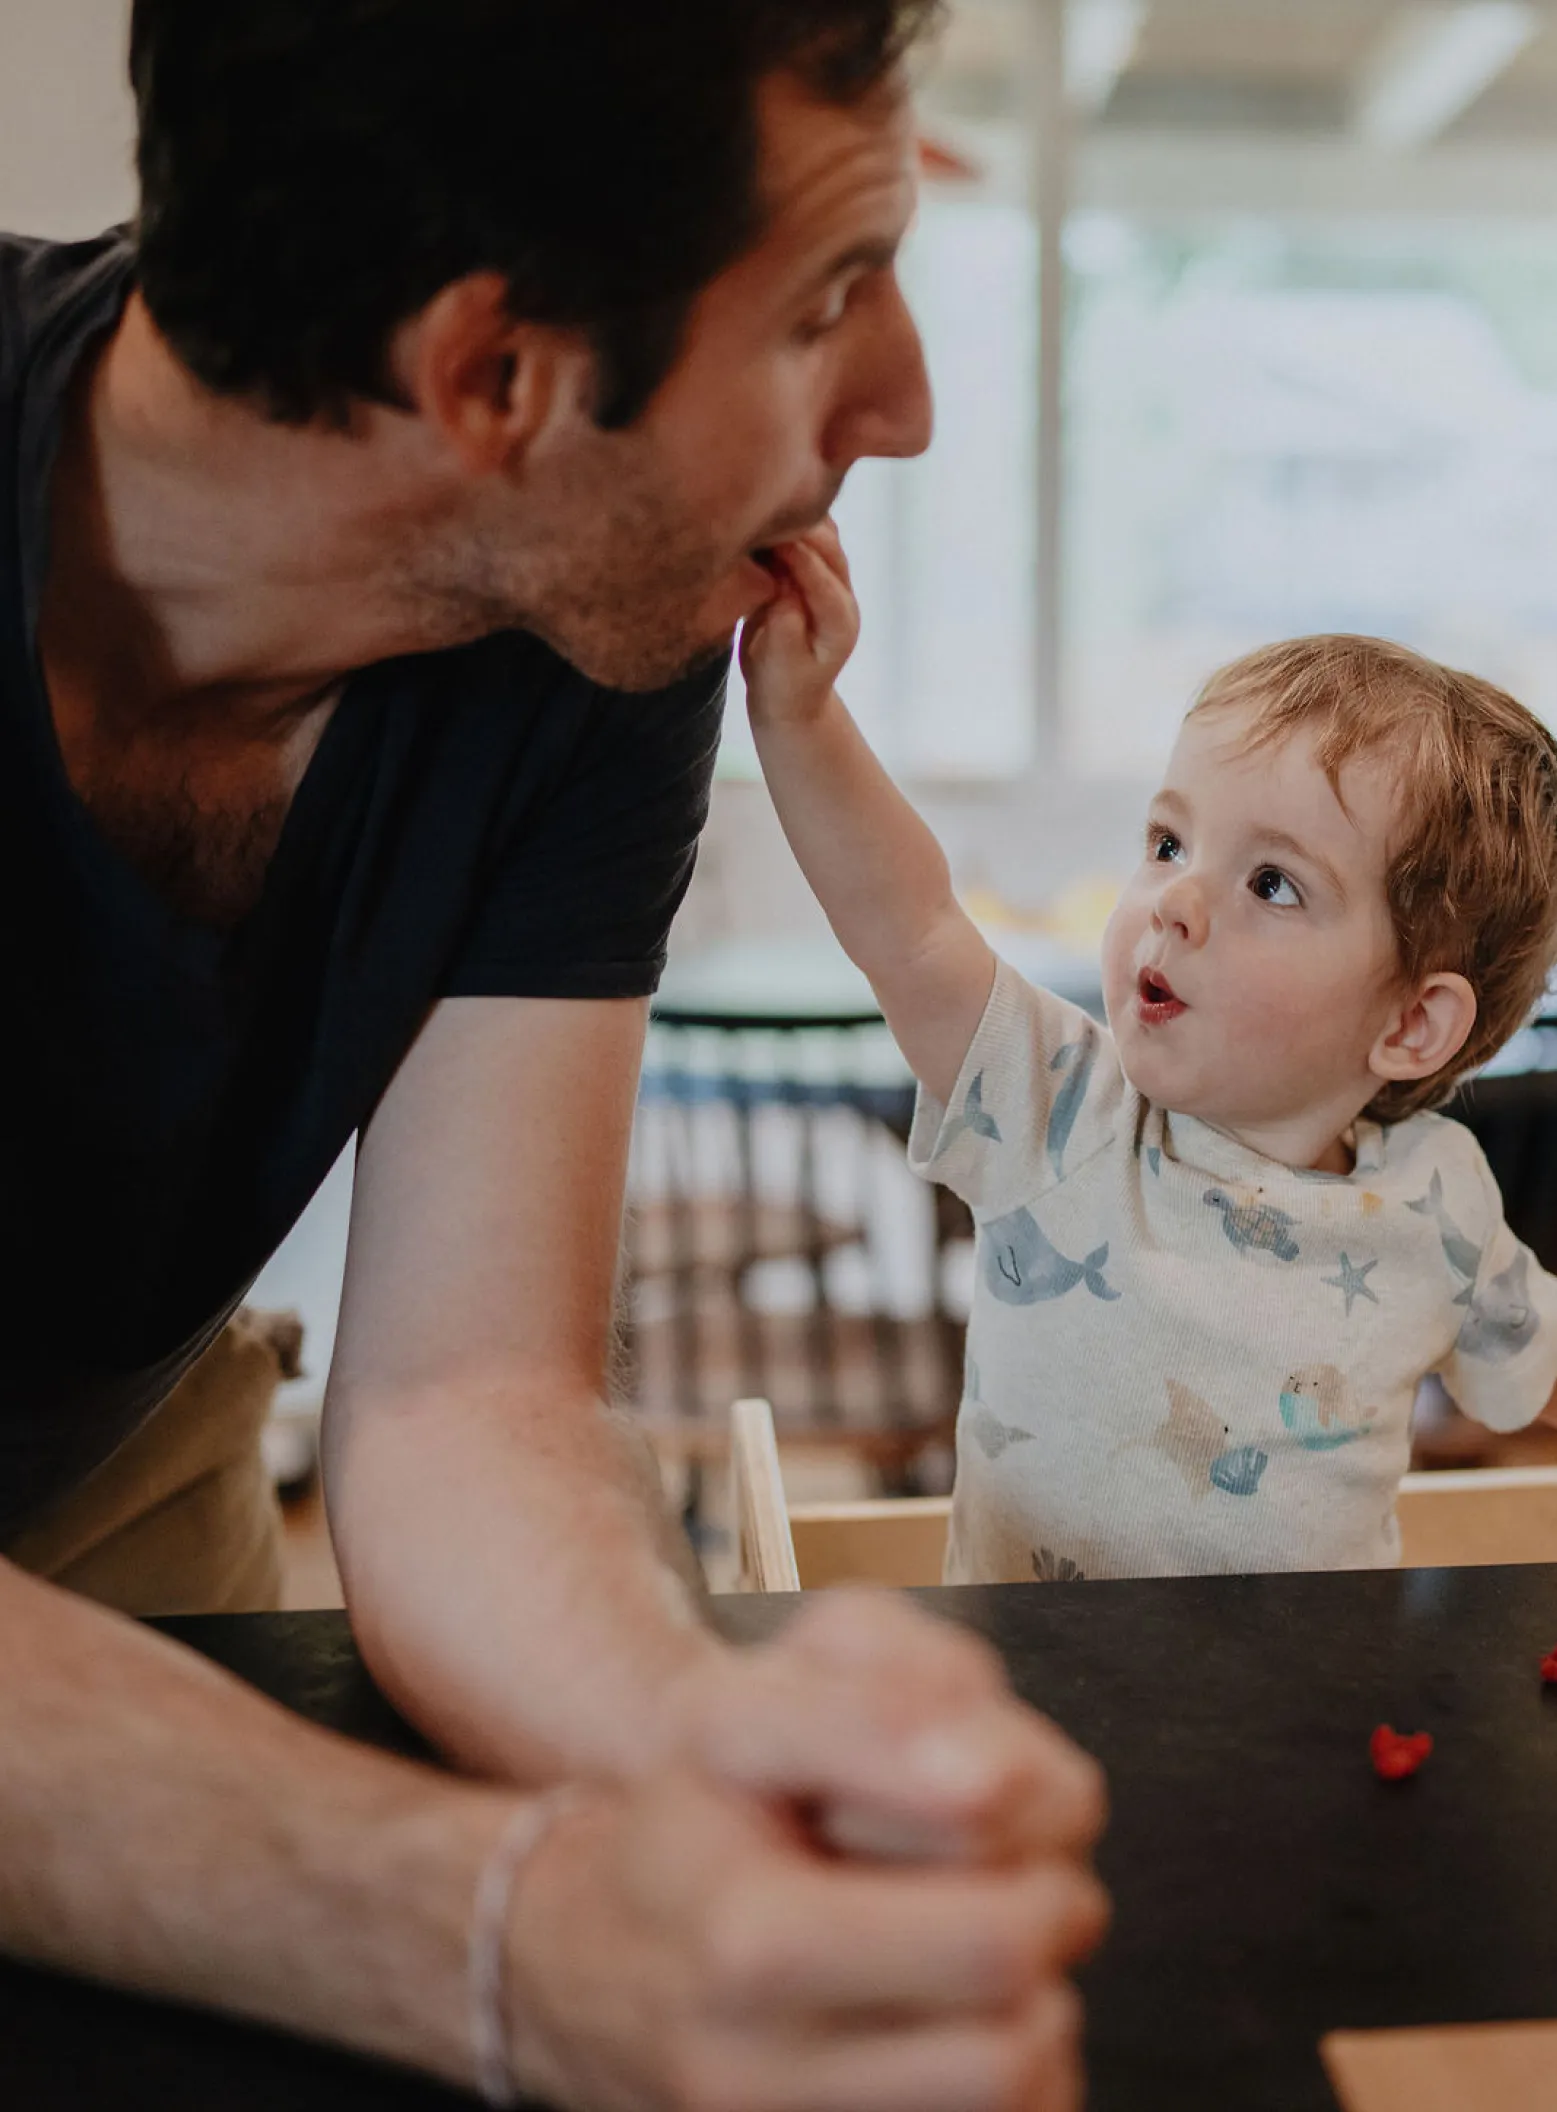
<point>1268,1888</point>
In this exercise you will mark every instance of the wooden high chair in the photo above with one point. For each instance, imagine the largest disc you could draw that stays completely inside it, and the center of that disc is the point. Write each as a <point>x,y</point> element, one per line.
<point>1449,1520</point>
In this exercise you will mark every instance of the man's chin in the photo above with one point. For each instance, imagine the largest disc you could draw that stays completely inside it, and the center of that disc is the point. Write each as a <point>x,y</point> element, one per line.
<point>638,669</point>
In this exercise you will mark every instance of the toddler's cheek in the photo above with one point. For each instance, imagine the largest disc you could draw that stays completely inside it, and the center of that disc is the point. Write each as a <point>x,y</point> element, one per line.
<point>1121,935</point>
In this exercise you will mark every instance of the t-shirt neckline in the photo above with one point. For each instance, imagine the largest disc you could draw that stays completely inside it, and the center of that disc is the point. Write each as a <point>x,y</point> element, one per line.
<point>1202,1148</point>
<point>45,388</point>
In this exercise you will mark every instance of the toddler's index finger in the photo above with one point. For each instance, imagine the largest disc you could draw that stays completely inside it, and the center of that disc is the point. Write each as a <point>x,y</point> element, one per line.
<point>829,546</point>
<point>828,597</point>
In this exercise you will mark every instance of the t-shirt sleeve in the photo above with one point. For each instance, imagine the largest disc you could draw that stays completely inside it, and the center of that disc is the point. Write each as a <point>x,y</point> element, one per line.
<point>584,890</point>
<point>1040,1090</point>
<point>1503,1365</point>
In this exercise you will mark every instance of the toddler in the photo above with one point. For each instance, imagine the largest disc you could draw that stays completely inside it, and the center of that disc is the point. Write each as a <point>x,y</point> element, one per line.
<point>1221,1243</point>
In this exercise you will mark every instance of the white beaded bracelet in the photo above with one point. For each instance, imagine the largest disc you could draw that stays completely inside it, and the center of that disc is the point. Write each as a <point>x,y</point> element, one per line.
<point>489,2019</point>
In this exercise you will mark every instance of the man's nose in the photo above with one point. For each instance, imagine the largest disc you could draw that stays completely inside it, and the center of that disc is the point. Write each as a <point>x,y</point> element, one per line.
<point>1181,908</point>
<point>888,409</point>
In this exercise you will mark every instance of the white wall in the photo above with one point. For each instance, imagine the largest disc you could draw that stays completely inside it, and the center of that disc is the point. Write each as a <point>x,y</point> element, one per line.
<point>1026,841</point>
<point>66,118</point>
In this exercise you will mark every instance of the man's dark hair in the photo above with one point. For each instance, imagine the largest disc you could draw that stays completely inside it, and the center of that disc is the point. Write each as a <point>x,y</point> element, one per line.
<point>313,172</point>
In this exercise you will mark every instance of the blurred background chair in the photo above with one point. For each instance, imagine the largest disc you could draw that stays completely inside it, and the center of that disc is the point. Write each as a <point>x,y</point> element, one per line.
<point>776,1244</point>
<point>1511,1109</point>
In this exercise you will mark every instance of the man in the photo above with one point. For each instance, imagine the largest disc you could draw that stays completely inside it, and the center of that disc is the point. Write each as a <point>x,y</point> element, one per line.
<point>376,523</point>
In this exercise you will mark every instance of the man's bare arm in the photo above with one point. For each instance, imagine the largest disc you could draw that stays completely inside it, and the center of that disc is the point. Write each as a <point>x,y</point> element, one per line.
<point>502,1568</point>
<point>169,1830</point>
<point>503,1573</point>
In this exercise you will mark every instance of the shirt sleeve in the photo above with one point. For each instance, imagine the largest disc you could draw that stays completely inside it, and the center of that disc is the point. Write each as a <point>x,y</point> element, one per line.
<point>582,896</point>
<point>1040,1091</point>
<point>1503,1365</point>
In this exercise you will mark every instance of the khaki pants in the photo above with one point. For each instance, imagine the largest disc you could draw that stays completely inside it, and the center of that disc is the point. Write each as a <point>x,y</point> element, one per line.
<point>183,1517</point>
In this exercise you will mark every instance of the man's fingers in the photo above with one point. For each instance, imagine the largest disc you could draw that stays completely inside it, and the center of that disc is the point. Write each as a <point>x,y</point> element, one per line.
<point>1031,2063</point>
<point>679,1946</point>
<point>833,1941</point>
<point>855,1628</point>
<point>978,1750</point>
<point>990,1780</point>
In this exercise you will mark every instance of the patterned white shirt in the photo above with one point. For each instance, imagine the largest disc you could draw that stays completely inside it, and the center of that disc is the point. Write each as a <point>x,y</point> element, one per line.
<point>1186,1358</point>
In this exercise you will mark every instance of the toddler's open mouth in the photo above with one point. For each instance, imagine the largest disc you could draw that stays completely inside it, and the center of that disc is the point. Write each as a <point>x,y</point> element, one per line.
<point>1156,1000</point>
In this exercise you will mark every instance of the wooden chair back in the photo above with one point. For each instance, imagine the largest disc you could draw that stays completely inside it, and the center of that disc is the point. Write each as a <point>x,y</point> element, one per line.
<point>767,1549</point>
<point>771,1228</point>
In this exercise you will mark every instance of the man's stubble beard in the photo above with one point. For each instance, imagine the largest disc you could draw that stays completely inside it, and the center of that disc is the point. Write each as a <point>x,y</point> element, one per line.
<point>616,591</point>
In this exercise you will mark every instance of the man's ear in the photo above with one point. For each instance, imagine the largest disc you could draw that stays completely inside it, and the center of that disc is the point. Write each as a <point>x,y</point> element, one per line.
<point>484,382</point>
<point>1426,1030</point>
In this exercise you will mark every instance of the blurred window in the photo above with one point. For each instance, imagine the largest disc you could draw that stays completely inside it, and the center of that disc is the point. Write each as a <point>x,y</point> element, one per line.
<point>1280,426</point>
<point>941,549</point>
<point>1309,342</point>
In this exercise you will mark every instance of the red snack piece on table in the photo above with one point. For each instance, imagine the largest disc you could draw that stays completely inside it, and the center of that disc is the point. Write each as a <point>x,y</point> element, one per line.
<point>1397,1754</point>
<point>1549,1668</point>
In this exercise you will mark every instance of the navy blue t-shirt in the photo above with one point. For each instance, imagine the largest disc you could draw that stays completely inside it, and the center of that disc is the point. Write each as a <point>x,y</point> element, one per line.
<point>475,823</point>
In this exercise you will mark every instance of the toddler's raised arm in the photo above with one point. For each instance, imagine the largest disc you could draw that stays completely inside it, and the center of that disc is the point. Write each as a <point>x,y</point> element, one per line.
<point>872,863</point>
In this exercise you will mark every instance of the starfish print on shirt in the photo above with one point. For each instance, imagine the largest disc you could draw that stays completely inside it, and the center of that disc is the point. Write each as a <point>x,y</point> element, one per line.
<point>1353,1282</point>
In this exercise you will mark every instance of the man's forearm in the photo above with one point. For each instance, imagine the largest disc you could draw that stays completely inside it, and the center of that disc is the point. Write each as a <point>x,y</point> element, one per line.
<point>169,1830</point>
<point>509,1581</point>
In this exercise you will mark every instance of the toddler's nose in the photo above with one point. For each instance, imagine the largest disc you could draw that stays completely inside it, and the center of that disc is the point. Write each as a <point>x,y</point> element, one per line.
<point>1181,908</point>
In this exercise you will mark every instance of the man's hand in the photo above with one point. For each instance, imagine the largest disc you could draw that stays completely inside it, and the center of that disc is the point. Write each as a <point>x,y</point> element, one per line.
<point>680,1947</point>
<point>897,1731</point>
<point>794,648</point>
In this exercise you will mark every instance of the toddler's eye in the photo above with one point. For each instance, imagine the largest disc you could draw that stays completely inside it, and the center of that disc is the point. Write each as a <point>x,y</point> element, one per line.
<point>1272,885</point>
<point>1163,846</point>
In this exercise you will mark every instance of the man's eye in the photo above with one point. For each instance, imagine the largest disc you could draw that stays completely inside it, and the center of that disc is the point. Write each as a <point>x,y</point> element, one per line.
<point>827,317</point>
<point>1164,846</point>
<point>1272,885</point>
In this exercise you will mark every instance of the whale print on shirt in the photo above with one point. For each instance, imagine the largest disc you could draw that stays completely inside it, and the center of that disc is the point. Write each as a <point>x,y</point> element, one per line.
<point>1078,1056</point>
<point>1021,1267</point>
<point>992,1436</point>
<point>1461,1255</point>
<point>974,1117</point>
<point>1500,1321</point>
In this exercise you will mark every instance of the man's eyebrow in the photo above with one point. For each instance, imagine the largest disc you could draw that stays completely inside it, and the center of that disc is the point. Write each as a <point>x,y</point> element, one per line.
<point>875,253</point>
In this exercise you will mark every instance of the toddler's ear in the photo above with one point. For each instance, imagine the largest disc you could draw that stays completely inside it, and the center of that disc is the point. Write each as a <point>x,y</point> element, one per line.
<point>1427,1029</point>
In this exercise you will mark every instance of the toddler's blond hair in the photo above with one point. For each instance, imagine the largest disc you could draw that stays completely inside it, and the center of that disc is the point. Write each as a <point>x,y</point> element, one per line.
<point>1472,866</point>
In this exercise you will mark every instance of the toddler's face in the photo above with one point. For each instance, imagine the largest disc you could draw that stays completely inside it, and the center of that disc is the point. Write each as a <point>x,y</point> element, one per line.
<point>1251,962</point>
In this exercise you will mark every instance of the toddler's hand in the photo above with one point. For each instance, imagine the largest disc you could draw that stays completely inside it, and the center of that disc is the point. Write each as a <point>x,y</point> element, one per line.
<point>795,645</point>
